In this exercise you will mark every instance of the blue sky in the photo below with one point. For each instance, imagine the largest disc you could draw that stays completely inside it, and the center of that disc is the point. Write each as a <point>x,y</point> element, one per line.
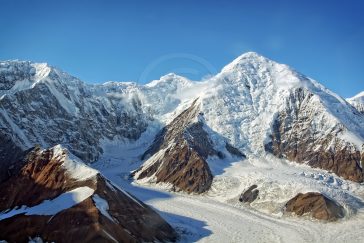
<point>142,40</point>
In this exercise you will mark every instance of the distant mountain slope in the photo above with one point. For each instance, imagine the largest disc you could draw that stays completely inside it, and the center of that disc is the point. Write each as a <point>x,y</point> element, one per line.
<point>358,102</point>
<point>43,105</point>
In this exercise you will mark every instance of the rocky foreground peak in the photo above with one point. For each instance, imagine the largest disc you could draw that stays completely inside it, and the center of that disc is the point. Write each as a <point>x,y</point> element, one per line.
<point>58,198</point>
<point>179,153</point>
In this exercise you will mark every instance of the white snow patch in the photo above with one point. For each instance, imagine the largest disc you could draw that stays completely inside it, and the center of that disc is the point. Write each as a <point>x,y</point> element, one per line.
<point>54,206</point>
<point>16,129</point>
<point>67,104</point>
<point>110,236</point>
<point>112,185</point>
<point>102,205</point>
<point>357,98</point>
<point>73,165</point>
<point>351,137</point>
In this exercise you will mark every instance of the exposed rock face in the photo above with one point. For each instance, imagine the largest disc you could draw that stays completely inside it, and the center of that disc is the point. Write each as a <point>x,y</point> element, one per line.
<point>10,73</point>
<point>179,153</point>
<point>315,204</point>
<point>106,214</point>
<point>249,195</point>
<point>42,105</point>
<point>297,136</point>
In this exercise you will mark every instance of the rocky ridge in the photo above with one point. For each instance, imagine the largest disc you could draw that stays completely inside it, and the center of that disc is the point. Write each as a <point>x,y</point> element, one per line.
<point>42,105</point>
<point>297,136</point>
<point>57,198</point>
<point>179,153</point>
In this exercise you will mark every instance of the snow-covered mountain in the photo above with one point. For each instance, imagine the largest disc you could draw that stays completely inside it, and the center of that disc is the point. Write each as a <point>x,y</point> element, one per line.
<point>249,126</point>
<point>358,101</point>
<point>261,106</point>
<point>43,105</point>
<point>257,104</point>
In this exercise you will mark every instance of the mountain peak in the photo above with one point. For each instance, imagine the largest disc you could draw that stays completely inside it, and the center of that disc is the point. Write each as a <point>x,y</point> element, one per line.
<point>247,59</point>
<point>170,79</point>
<point>250,54</point>
<point>357,98</point>
<point>357,101</point>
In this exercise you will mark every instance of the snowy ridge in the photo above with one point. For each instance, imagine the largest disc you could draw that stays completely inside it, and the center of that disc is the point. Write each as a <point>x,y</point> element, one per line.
<point>358,102</point>
<point>246,95</point>
<point>102,205</point>
<point>43,105</point>
<point>357,98</point>
<point>73,165</point>
<point>240,103</point>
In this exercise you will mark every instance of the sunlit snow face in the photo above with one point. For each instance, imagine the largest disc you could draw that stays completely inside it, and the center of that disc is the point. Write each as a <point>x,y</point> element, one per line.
<point>184,64</point>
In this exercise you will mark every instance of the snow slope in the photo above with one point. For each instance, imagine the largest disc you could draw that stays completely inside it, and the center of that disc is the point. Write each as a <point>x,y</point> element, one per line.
<point>357,101</point>
<point>40,104</point>
<point>357,98</point>
<point>218,216</point>
<point>242,100</point>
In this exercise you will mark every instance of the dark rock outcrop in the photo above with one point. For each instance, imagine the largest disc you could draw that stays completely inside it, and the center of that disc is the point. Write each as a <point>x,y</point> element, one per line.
<point>183,162</point>
<point>295,138</point>
<point>249,195</point>
<point>10,155</point>
<point>44,178</point>
<point>179,153</point>
<point>315,204</point>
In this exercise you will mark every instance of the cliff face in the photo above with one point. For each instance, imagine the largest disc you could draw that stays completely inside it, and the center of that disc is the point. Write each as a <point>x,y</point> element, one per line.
<point>10,156</point>
<point>62,200</point>
<point>43,105</point>
<point>179,153</point>
<point>298,135</point>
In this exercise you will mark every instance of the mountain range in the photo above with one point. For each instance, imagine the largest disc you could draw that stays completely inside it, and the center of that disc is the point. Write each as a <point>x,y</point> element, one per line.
<point>256,123</point>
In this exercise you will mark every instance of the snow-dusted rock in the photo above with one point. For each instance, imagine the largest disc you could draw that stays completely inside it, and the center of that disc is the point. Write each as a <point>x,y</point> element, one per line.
<point>179,153</point>
<point>58,198</point>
